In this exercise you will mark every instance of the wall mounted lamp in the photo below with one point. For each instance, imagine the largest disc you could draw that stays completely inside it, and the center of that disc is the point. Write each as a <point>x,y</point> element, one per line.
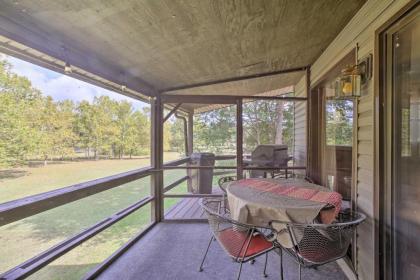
<point>352,78</point>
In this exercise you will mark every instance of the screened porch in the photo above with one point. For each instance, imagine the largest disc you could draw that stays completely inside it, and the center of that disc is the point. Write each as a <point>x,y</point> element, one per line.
<point>225,92</point>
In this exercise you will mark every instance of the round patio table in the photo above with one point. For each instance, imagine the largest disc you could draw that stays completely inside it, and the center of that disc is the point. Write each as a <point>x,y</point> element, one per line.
<point>259,201</point>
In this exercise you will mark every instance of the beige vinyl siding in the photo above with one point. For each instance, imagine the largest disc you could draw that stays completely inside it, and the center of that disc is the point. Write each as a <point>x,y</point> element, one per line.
<point>360,31</point>
<point>300,153</point>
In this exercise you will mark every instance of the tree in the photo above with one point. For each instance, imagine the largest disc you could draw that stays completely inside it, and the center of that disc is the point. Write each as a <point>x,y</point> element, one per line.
<point>279,122</point>
<point>215,131</point>
<point>138,141</point>
<point>167,137</point>
<point>339,120</point>
<point>33,126</point>
<point>125,127</point>
<point>84,126</point>
<point>19,103</point>
<point>47,129</point>
<point>16,131</point>
<point>265,122</point>
<point>113,128</point>
<point>65,137</point>
<point>268,122</point>
<point>259,123</point>
<point>177,140</point>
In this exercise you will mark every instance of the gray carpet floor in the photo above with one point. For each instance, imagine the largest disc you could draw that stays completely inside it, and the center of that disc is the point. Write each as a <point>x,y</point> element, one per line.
<point>174,251</point>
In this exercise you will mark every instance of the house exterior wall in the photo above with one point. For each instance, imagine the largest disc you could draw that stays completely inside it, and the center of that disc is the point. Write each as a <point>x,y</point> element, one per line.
<point>300,126</point>
<point>360,31</point>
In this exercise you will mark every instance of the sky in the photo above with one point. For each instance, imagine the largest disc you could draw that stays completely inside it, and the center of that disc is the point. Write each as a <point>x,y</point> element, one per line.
<point>61,87</point>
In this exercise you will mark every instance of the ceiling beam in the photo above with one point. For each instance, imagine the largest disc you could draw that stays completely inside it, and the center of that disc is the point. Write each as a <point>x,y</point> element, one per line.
<point>234,79</point>
<point>29,47</point>
<point>55,65</point>
<point>222,99</point>
<point>199,99</point>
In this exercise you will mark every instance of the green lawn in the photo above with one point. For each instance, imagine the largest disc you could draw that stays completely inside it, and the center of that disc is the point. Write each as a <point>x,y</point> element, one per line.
<point>26,238</point>
<point>19,182</point>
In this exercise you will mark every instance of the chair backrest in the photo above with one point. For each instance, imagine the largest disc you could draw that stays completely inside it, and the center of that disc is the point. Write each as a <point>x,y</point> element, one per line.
<point>223,180</point>
<point>231,235</point>
<point>219,216</point>
<point>316,244</point>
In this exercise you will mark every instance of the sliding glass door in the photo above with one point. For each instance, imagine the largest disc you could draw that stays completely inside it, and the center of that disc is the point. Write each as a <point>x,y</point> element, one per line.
<point>403,126</point>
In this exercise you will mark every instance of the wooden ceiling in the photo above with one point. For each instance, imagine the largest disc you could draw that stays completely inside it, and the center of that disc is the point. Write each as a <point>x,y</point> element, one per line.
<point>150,46</point>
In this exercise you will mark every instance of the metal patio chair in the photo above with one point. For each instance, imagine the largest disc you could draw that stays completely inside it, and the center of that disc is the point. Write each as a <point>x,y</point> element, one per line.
<point>242,242</point>
<point>222,185</point>
<point>224,180</point>
<point>318,244</point>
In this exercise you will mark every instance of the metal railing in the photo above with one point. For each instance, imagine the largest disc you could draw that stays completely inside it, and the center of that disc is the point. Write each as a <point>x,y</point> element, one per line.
<point>29,206</point>
<point>223,170</point>
<point>36,263</point>
<point>173,166</point>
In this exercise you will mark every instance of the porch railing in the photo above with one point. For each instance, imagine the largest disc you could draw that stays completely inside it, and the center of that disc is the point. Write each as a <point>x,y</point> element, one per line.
<point>29,206</point>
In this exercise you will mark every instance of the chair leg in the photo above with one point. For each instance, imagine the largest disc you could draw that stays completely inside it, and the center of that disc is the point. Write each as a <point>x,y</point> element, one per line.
<point>281,263</point>
<point>240,270</point>
<point>205,254</point>
<point>300,272</point>
<point>244,254</point>
<point>265,265</point>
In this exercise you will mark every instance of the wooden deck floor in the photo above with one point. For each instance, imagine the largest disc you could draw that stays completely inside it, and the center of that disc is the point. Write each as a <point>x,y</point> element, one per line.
<point>187,208</point>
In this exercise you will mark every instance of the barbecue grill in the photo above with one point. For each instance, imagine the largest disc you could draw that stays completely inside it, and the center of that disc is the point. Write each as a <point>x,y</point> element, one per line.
<point>271,156</point>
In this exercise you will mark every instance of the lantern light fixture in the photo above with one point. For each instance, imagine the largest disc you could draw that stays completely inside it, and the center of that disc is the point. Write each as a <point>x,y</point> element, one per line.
<point>348,83</point>
<point>353,77</point>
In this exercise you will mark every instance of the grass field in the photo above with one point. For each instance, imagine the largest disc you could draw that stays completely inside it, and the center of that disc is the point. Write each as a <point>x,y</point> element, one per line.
<point>26,238</point>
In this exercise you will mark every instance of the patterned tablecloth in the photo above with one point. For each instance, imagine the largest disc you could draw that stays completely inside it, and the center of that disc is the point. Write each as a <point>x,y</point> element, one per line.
<point>259,201</point>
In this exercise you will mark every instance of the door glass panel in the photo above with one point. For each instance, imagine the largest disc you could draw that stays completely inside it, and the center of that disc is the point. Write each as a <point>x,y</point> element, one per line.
<point>338,145</point>
<point>406,145</point>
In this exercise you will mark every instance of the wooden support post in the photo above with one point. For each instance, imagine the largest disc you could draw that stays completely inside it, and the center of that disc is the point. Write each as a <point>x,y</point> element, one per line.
<point>239,139</point>
<point>308,128</point>
<point>190,145</point>
<point>157,159</point>
<point>190,133</point>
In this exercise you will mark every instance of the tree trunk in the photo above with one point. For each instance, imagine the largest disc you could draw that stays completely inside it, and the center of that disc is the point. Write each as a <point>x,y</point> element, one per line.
<point>279,123</point>
<point>96,149</point>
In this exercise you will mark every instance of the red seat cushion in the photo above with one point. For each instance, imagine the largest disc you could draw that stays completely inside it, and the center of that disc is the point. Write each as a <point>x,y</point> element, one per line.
<point>232,240</point>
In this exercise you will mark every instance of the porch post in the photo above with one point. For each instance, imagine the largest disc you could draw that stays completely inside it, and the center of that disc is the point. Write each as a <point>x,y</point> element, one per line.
<point>190,137</point>
<point>190,133</point>
<point>157,158</point>
<point>308,124</point>
<point>239,139</point>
